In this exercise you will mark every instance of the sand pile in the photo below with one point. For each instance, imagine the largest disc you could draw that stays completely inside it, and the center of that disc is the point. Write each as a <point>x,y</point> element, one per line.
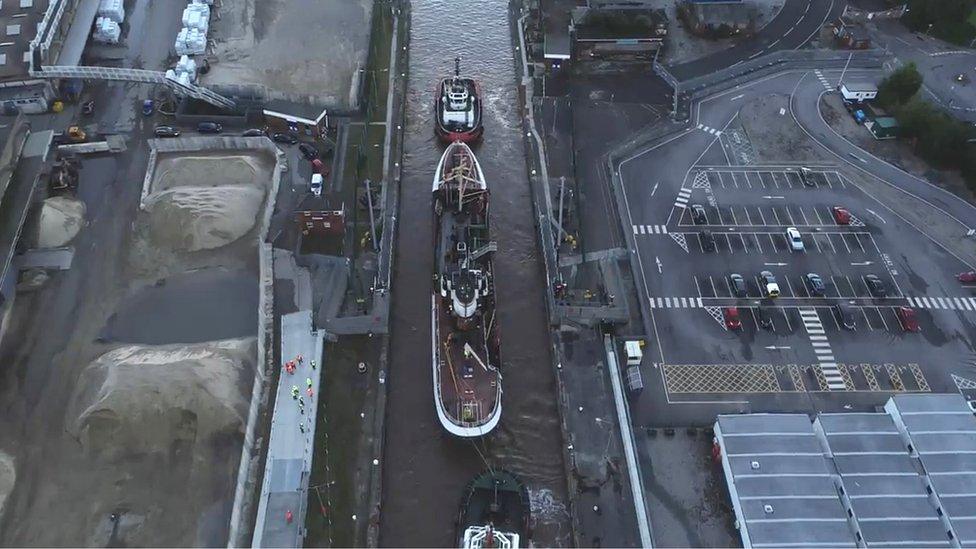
<point>208,170</point>
<point>191,218</point>
<point>61,219</point>
<point>138,400</point>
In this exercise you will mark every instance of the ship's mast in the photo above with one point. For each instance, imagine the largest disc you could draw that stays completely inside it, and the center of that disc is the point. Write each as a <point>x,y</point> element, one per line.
<point>457,67</point>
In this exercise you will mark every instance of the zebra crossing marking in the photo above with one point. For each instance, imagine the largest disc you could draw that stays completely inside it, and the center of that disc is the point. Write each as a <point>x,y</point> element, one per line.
<point>710,130</point>
<point>823,80</point>
<point>944,303</point>
<point>650,229</point>
<point>831,374</point>
<point>682,200</point>
<point>676,303</point>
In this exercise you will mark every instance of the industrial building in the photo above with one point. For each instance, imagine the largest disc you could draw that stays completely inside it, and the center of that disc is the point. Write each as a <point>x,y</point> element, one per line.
<point>905,476</point>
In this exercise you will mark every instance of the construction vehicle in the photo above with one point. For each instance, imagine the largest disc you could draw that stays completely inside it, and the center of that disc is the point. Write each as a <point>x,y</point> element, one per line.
<point>74,134</point>
<point>64,175</point>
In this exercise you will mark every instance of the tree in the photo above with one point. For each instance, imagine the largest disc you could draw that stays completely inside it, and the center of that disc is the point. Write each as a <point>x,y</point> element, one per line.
<point>900,86</point>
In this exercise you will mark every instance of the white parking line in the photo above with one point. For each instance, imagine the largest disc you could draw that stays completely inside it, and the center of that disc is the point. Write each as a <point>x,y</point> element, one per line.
<point>802,213</point>
<point>817,211</point>
<point>761,216</point>
<point>883,321</point>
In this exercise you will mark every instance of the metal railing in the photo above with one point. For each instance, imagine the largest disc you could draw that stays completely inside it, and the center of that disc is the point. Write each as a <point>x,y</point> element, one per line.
<point>134,75</point>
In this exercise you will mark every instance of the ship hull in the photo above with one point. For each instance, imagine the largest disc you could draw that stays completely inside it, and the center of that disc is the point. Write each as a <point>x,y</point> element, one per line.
<point>464,333</point>
<point>463,132</point>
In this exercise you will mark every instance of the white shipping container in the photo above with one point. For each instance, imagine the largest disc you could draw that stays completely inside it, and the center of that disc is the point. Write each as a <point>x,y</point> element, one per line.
<point>112,9</point>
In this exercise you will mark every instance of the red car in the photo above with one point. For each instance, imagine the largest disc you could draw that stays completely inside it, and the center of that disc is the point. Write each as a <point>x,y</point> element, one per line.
<point>732,320</point>
<point>967,277</point>
<point>906,315</point>
<point>842,215</point>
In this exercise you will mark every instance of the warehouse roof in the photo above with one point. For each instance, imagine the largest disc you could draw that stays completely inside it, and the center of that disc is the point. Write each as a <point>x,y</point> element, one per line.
<point>903,478</point>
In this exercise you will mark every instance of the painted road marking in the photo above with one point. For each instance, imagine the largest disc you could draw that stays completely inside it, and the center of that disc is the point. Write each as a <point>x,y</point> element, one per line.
<point>650,229</point>
<point>682,200</point>
<point>710,130</point>
<point>948,303</point>
<point>676,303</point>
<point>821,347</point>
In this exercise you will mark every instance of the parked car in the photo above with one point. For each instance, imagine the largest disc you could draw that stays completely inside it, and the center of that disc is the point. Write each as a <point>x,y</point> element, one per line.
<point>308,151</point>
<point>209,127</point>
<point>166,131</point>
<point>763,317</point>
<point>969,277</point>
<point>906,315</point>
<point>841,215</point>
<point>794,238</point>
<point>737,285</point>
<point>88,108</point>
<point>319,167</point>
<point>875,285</point>
<point>845,316</point>
<point>253,132</point>
<point>767,282</point>
<point>285,138</point>
<point>316,185</point>
<point>707,240</point>
<point>148,106</point>
<point>815,284</point>
<point>698,214</point>
<point>732,320</point>
<point>806,175</point>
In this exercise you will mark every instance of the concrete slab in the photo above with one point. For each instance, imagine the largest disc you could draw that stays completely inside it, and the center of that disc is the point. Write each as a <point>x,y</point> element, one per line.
<point>281,510</point>
<point>52,258</point>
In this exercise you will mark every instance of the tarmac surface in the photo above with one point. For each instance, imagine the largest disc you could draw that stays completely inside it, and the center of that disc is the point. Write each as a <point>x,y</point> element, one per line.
<point>798,22</point>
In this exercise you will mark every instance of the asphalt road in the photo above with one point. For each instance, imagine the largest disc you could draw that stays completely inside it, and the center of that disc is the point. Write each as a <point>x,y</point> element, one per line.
<point>694,358</point>
<point>796,24</point>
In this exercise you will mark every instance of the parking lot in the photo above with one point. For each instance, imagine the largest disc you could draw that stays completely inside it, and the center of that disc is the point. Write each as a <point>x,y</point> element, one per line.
<point>719,221</point>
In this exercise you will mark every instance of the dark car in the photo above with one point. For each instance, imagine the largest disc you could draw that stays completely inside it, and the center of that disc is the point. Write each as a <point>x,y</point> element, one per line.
<point>253,132</point>
<point>875,286</point>
<point>845,316</point>
<point>698,214</point>
<point>815,284</point>
<point>806,175</point>
<point>166,131</point>
<point>737,285</point>
<point>308,151</point>
<point>707,241</point>
<point>764,318</point>
<point>209,127</point>
<point>906,315</point>
<point>285,138</point>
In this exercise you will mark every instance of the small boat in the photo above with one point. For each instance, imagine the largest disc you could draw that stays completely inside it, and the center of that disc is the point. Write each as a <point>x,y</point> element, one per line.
<point>464,329</point>
<point>458,108</point>
<point>495,512</point>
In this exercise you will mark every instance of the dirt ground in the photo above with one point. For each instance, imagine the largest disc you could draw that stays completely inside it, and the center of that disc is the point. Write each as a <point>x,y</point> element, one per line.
<point>298,47</point>
<point>94,427</point>
<point>681,46</point>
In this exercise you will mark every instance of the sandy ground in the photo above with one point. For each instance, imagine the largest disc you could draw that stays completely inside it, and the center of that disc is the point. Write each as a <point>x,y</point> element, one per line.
<point>680,45</point>
<point>151,433</point>
<point>298,47</point>
<point>61,219</point>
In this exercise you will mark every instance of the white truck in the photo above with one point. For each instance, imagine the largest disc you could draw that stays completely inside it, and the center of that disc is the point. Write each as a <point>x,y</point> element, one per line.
<point>316,185</point>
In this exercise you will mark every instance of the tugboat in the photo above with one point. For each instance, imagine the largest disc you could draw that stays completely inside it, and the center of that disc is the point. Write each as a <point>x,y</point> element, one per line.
<point>458,108</point>
<point>495,512</point>
<point>467,382</point>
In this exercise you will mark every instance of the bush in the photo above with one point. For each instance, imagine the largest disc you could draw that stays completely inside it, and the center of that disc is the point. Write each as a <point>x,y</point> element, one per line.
<point>950,20</point>
<point>941,140</point>
<point>900,86</point>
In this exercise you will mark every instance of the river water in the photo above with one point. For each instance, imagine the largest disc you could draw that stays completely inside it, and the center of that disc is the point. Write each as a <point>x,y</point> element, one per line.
<point>426,470</point>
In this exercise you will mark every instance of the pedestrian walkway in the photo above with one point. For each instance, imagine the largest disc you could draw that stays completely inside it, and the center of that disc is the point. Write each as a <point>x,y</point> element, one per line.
<point>825,356</point>
<point>676,302</point>
<point>949,303</point>
<point>280,519</point>
<point>710,130</point>
<point>682,200</point>
<point>823,80</point>
<point>650,229</point>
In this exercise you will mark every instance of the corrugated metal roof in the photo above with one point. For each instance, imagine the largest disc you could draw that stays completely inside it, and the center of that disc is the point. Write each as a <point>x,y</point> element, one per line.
<point>904,478</point>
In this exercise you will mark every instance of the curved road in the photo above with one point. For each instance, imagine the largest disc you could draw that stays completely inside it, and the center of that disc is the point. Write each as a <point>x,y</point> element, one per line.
<point>795,25</point>
<point>805,107</point>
